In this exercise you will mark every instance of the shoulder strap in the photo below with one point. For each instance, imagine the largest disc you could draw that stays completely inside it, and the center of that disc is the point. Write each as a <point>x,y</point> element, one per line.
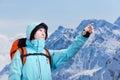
<point>22,53</point>
<point>48,54</point>
<point>13,48</point>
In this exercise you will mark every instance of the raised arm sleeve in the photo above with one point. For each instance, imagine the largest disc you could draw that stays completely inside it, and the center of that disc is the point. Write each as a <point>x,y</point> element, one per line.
<point>61,56</point>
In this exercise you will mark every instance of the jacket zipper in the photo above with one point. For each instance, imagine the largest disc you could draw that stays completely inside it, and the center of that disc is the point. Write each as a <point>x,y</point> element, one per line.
<point>39,69</point>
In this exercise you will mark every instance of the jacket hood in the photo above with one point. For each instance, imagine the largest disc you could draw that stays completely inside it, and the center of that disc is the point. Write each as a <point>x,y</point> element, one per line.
<point>30,29</point>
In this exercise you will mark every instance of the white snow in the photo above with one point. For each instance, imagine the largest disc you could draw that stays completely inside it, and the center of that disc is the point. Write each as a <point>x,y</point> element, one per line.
<point>117,32</point>
<point>85,72</point>
<point>71,39</point>
<point>111,45</point>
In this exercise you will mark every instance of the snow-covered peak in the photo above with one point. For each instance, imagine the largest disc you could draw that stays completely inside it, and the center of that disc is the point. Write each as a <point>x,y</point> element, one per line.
<point>63,36</point>
<point>117,21</point>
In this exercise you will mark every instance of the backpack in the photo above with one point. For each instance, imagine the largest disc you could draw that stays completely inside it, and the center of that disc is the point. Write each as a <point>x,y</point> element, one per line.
<point>20,44</point>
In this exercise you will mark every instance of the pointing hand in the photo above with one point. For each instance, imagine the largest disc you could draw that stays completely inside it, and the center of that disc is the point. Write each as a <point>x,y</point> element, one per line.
<point>88,30</point>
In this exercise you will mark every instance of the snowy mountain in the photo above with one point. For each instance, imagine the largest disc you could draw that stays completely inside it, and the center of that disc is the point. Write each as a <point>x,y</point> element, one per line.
<point>99,58</point>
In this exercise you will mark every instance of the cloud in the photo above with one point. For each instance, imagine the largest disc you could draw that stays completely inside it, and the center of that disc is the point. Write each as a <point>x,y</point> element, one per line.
<point>4,45</point>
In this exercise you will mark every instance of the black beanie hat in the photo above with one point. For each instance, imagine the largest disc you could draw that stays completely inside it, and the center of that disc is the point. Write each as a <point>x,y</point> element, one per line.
<point>41,25</point>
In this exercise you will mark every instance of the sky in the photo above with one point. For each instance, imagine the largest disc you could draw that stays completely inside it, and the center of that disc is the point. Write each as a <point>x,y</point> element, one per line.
<point>15,15</point>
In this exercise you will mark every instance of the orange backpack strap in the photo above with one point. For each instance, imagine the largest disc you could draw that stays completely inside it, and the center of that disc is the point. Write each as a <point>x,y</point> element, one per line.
<point>13,49</point>
<point>22,53</point>
<point>49,57</point>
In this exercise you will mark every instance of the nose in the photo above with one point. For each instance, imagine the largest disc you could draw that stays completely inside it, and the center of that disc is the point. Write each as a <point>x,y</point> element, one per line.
<point>43,33</point>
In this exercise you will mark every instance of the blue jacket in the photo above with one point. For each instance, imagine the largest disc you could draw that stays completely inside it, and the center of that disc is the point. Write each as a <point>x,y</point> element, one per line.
<point>37,67</point>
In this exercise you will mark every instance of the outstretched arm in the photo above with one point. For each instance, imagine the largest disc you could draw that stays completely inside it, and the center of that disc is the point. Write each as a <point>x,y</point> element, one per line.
<point>61,56</point>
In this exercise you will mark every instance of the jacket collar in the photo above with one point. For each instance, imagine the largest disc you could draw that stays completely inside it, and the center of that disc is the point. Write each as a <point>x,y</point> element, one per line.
<point>37,44</point>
